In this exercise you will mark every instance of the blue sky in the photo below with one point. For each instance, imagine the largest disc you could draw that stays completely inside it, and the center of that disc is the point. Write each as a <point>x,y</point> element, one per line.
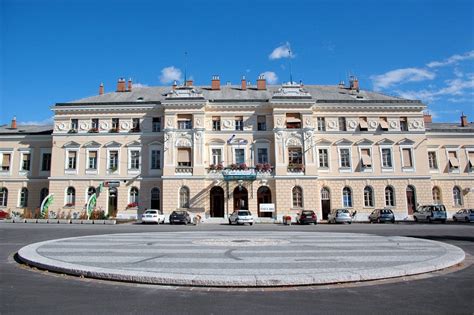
<point>58,51</point>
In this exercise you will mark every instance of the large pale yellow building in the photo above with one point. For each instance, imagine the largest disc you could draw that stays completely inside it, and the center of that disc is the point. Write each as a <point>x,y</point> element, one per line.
<point>213,149</point>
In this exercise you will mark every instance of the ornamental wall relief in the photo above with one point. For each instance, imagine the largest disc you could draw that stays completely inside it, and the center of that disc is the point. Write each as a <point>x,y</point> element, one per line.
<point>373,124</point>
<point>227,123</point>
<point>352,124</point>
<point>183,143</point>
<point>332,124</point>
<point>125,125</point>
<point>83,126</point>
<point>104,125</point>
<point>294,142</point>
<point>393,124</point>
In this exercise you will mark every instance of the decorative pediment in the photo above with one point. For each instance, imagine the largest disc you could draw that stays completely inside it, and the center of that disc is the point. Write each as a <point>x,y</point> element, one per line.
<point>134,144</point>
<point>291,89</point>
<point>183,143</point>
<point>343,142</point>
<point>262,141</point>
<point>216,142</point>
<point>385,141</point>
<point>91,144</point>
<point>323,142</point>
<point>155,143</point>
<point>294,142</point>
<point>71,144</point>
<point>364,142</point>
<point>406,141</point>
<point>451,146</point>
<point>237,141</point>
<point>180,92</point>
<point>112,144</point>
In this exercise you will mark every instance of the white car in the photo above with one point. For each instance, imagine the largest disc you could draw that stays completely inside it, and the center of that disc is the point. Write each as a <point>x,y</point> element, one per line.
<point>153,216</point>
<point>466,215</point>
<point>241,217</point>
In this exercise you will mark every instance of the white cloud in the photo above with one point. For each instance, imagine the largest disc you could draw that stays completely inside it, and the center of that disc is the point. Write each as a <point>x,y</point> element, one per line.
<point>400,76</point>
<point>139,85</point>
<point>281,52</point>
<point>169,74</point>
<point>271,77</point>
<point>425,95</point>
<point>47,121</point>
<point>453,59</point>
<point>454,87</point>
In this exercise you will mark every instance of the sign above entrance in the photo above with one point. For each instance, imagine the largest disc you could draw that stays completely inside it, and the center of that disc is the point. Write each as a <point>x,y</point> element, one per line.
<point>267,207</point>
<point>230,175</point>
<point>112,183</point>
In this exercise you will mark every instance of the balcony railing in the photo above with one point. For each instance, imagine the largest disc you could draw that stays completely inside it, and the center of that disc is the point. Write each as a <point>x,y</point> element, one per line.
<point>184,170</point>
<point>295,168</point>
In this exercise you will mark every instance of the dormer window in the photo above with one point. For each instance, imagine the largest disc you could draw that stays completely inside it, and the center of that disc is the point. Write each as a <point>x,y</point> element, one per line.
<point>293,121</point>
<point>115,125</point>
<point>216,123</point>
<point>94,125</point>
<point>453,161</point>
<point>403,124</point>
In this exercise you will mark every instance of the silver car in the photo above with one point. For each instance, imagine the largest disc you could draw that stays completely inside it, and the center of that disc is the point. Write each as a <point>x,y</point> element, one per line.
<point>430,213</point>
<point>466,215</point>
<point>241,217</point>
<point>340,216</point>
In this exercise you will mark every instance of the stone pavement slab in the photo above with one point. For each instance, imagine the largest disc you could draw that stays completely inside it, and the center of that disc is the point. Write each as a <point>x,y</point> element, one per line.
<point>241,259</point>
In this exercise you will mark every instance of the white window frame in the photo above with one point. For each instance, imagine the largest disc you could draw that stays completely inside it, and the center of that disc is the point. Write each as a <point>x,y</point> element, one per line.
<point>234,156</point>
<point>129,196</point>
<point>129,160</point>
<point>328,149</point>
<point>19,205</point>
<point>262,145</point>
<point>75,196</point>
<point>71,171</point>
<point>293,206</point>
<point>394,197</point>
<point>341,168</point>
<point>86,195</point>
<point>21,171</point>
<point>321,124</point>
<point>12,156</point>
<point>218,147</point>
<point>352,197</point>
<point>469,169</point>
<point>460,197</point>
<point>366,169</point>
<point>91,171</point>
<point>385,168</point>
<point>433,170</point>
<point>116,172</point>
<point>40,166</point>
<point>373,197</point>
<point>453,171</point>
<point>413,162</point>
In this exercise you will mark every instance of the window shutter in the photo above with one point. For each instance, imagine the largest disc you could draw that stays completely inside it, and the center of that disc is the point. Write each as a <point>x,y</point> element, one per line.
<point>407,159</point>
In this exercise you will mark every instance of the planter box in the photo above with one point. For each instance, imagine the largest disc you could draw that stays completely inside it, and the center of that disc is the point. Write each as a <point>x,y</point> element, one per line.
<point>76,221</point>
<point>99,221</point>
<point>8,221</point>
<point>64,221</point>
<point>110,222</point>
<point>30,220</point>
<point>18,220</point>
<point>53,221</point>
<point>42,221</point>
<point>87,221</point>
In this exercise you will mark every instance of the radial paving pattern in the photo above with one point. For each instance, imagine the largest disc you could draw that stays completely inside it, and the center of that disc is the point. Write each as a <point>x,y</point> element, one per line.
<point>242,259</point>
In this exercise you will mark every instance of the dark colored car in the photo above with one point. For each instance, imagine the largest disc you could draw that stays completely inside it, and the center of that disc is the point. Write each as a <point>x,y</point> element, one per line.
<point>3,214</point>
<point>180,216</point>
<point>382,215</point>
<point>307,217</point>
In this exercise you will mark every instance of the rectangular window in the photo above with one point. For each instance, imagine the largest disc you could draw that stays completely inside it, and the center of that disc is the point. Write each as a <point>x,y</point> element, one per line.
<point>239,123</point>
<point>407,158</point>
<point>365,158</point>
<point>113,160</point>
<point>216,156</point>
<point>95,124</point>
<point>323,158</point>
<point>295,156</point>
<point>134,160</point>
<point>261,123</point>
<point>216,123</point>
<point>135,124</point>
<point>470,157</point>
<point>342,124</point>
<point>384,123</point>
<point>155,159</point>
<point>453,160</point>
<point>403,124</point>
<point>184,157</point>
<point>92,161</point>
<point>156,124</point>
<point>387,158</point>
<point>432,162</point>
<point>71,160</point>
<point>185,121</point>
<point>46,162</point>
<point>239,156</point>
<point>74,125</point>
<point>6,160</point>
<point>345,158</point>
<point>321,124</point>
<point>115,124</point>
<point>363,125</point>
<point>26,162</point>
<point>293,120</point>
<point>262,155</point>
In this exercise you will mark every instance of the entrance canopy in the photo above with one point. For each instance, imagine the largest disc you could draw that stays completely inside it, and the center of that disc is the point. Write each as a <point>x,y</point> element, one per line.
<point>234,175</point>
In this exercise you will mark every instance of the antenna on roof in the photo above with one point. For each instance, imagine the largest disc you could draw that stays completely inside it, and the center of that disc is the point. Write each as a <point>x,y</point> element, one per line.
<point>289,61</point>
<point>185,66</point>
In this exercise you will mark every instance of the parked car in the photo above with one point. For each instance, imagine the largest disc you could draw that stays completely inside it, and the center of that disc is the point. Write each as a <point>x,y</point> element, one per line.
<point>340,216</point>
<point>466,215</point>
<point>382,215</point>
<point>241,217</point>
<point>3,214</point>
<point>430,213</point>
<point>180,216</point>
<point>153,216</point>
<point>307,217</point>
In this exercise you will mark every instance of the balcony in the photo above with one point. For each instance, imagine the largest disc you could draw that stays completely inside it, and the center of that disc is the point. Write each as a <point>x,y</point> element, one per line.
<point>184,170</point>
<point>295,169</point>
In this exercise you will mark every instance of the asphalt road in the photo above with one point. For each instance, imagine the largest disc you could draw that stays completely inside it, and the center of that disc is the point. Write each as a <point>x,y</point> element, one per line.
<point>27,291</point>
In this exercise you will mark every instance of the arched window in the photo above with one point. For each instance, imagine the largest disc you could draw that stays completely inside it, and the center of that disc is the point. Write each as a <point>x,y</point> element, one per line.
<point>23,198</point>
<point>436,195</point>
<point>155,199</point>
<point>457,197</point>
<point>297,197</point>
<point>184,197</point>
<point>389,197</point>
<point>70,196</point>
<point>3,197</point>
<point>347,197</point>
<point>134,196</point>
<point>90,191</point>
<point>43,194</point>
<point>368,196</point>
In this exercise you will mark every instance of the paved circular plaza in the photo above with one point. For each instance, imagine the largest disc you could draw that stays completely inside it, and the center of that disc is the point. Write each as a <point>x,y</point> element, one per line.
<point>241,259</point>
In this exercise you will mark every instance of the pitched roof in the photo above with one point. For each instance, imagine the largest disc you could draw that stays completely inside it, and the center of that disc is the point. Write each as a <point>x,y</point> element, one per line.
<point>449,127</point>
<point>26,129</point>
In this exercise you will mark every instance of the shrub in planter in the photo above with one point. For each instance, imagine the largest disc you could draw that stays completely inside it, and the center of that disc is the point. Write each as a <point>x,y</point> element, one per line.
<point>212,167</point>
<point>219,167</point>
<point>267,167</point>
<point>243,166</point>
<point>259,167</point>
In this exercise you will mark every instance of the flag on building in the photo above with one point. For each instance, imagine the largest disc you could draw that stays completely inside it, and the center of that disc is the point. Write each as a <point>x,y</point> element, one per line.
<point>91,205</point>
<point>44,209</point>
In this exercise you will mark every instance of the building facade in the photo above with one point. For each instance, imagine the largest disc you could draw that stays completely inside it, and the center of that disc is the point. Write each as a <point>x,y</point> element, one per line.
<point>214,149</point>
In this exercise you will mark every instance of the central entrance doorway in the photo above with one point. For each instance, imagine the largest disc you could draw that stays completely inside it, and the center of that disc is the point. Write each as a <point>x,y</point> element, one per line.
<point>264,195</point>
<point>241,198</point>
<point>113,202</point>
<point>325,202</point>
<point>217,202</point>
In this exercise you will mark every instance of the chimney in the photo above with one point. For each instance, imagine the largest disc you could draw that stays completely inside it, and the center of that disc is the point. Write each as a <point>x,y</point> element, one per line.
<point>215,83</point>
<point>354,83</point>
<point>189,82</point>
<point>121,85</point>
<point>243,86</point>
<point>175,84</point>
<point>13,125</point>
<point>261,82</point>
<point>427,118</point>
<point>101,89</point>
<point>342,84</point>
<point>463,120</point>
<point>129,87</point>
